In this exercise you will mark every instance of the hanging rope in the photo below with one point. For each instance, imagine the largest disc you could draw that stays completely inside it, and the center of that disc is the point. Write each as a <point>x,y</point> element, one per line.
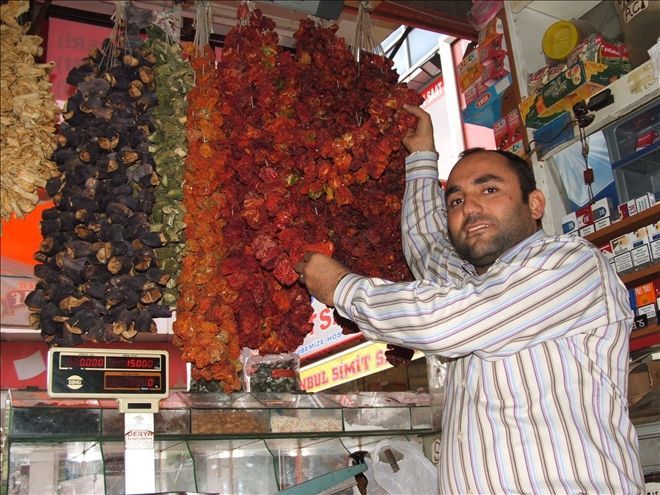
<point>364,33</point>
<point>170,23</point>
<point>203,25</point>
<point>117,35</point>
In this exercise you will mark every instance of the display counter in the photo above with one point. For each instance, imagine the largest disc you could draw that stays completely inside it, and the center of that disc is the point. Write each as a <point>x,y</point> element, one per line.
<point>243,443</point>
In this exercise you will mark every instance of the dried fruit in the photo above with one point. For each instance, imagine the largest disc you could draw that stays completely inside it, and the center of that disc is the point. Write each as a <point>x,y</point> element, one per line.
<point>27,115</point>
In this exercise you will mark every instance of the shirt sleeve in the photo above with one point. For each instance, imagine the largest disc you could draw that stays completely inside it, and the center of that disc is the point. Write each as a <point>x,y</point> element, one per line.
<point>423,216</point>
<point>556,288</point>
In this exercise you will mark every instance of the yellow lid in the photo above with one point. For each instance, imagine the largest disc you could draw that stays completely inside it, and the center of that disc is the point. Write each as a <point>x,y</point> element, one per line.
<point>560,39</point>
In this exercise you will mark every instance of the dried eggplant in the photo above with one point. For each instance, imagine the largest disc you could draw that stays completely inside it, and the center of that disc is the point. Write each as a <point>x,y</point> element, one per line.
<point>92,254</point>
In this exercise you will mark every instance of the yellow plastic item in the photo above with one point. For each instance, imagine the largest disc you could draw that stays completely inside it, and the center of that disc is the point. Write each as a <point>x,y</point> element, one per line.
<point>560,39</point>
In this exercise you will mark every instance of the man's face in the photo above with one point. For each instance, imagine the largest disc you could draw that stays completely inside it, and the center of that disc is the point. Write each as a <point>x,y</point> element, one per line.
<point>485,209</point>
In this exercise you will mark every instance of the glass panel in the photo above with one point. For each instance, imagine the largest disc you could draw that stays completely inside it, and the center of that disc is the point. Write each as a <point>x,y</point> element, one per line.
<point>35,421</point>
<point>304,420</point>
<point>420,43</point>
<point>299,460</point>
<point>233,466</point>
<point>250,421</point>
<point>175,470</point>
<point>67,468</point>
<point>377,418</point>
<point>174,467</point>
<point>166,422</point>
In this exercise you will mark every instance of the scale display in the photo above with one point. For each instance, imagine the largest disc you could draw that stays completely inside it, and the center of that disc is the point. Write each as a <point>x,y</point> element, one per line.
<point>107,373</point>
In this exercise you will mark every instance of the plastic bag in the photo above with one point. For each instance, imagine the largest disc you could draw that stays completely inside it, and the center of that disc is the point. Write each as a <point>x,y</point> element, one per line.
<point>416,474</point>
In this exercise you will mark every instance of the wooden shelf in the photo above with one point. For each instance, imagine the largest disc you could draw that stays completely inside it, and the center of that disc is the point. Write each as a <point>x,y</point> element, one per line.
<point>644,332</point>
<point>644,338</point>
<point>630,224</point>
<point>639,277</point>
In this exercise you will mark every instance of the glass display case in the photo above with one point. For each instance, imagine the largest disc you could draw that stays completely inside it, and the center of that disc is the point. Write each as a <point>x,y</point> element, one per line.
<point>244,443</point>
<point>634,146</point>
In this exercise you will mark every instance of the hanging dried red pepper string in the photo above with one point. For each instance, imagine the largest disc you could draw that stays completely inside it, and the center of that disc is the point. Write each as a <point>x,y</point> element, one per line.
<point>289,153</point>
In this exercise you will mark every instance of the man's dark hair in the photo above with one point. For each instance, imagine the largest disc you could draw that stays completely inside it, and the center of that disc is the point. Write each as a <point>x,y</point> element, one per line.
<point>519,165</point>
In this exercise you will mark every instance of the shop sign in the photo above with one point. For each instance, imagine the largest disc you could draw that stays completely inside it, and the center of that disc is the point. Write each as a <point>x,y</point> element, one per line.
<point>326,333</point>
<point>435,91</point>
<point>633,7</point>
<point>357,362</point>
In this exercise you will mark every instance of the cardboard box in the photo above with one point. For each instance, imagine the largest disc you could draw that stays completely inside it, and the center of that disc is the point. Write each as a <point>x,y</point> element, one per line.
<point>569,223</point>
<point>640,248</point>
<point>645,202</point>
<point>577,82</point>
<point>628,208</point>
<point>602,223</point>
<point>469,70</point>
<point>494,28</point>
<point>644,294</point>
<point>584,216</point>
<point>603,208</point>
<point>654,239</point>
<point>487,108</point>
<point>621,244</point>
<point>585,231</point>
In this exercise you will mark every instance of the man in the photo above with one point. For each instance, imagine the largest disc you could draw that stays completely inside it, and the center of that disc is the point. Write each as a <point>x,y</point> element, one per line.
<point>535,329</point>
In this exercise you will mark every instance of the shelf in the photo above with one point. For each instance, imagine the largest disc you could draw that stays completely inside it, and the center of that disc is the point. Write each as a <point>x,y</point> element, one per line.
<point>624,226</point>
<point>644,338</point>
<point>642,276</point>
<point>644,332</point>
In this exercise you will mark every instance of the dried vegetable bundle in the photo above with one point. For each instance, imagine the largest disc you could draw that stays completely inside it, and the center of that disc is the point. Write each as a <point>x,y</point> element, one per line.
<point>306,156</point>
<point>98,276</point>
<point>27,114</point>
<point>169,148</point>
<point>205,327</point>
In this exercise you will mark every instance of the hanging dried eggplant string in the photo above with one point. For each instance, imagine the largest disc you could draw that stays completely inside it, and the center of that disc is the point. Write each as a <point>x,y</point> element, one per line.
<point>27,115</point>
<point>364,33</point>
<point>174,78</point>
<point>98,275</point>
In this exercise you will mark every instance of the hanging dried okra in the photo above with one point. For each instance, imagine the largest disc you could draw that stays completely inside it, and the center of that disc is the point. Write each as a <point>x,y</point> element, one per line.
<point>174,78</point>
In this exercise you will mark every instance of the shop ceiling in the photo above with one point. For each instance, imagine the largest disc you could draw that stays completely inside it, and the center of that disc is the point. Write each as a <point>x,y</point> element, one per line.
<point>446,17</point>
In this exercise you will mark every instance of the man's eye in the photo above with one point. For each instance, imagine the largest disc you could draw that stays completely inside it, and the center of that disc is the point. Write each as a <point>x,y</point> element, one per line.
<point>490,190</point>
<point>455,202</point>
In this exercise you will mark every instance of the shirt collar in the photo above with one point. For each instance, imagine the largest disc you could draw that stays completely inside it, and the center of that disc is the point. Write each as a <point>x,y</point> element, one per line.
<point>508,255</point>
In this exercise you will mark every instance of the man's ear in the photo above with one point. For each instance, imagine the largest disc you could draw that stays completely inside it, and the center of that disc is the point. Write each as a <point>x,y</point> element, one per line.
<point>536,203</point>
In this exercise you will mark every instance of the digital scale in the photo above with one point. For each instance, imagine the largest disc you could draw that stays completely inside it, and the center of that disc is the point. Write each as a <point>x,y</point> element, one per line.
<point>138,380</point>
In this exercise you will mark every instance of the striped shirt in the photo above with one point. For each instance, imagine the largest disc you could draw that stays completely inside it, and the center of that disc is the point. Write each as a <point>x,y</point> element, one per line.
<point>537,349</point>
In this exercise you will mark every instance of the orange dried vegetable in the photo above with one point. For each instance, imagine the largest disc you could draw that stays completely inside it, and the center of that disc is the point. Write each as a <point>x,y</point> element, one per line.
<point>206,333</point>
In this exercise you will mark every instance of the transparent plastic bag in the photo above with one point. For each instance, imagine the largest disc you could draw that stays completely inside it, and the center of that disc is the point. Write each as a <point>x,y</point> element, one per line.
<point>415,474</point>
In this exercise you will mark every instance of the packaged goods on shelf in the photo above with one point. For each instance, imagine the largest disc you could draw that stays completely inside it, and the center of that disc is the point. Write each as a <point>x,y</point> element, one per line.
<point>654,239</point>
<point>272,373</point>
<point>595,63</point>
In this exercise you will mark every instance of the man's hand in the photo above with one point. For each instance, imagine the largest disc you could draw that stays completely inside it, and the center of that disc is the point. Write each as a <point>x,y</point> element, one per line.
<point>321,274</point>
<point>420,139</point>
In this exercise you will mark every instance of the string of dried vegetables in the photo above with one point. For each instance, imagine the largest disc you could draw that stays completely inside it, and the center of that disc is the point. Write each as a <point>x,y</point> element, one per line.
<point>169,148</point>
<point>308,158</point>
<point>27,114</point>
<point>205,327</point>
<point>98,275</point>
